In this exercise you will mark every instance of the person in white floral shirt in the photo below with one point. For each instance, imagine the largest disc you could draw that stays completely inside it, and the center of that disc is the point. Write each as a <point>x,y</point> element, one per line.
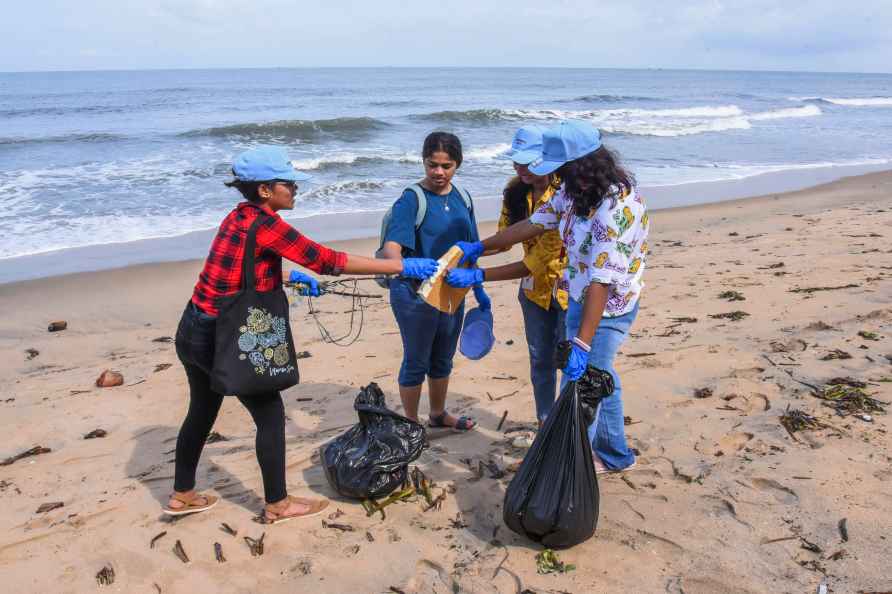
<point>603,223</point>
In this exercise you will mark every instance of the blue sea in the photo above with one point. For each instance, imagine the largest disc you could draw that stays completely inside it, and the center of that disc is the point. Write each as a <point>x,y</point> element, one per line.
<point>94,158</point>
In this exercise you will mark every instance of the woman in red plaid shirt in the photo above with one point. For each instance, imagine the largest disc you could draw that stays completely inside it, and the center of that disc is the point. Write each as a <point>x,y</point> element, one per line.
<point>268,181</point>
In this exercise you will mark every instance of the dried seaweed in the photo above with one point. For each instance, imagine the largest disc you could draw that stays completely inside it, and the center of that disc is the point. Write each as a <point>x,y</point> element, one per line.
<point>106,576</point>
<point>156,538</point>
<point>35,451</point>
<point>702,392</point>
<point>869,335</point>
<point>218,553</point>
<point>797,420</point>
<point>810,290</point>
<point>734,316</point>
<point>843,530</point>
<point>336,526</point>
<point>836,354</point>
<point>732,296</point>
<point>847,400</point>
<point>228,529</point>
<point>256,546</point>
<point>846,381</point>
<point>48,507</point>
<point>547,562</point>
<point>684,320</point>
<point>96,433</point>
<point>180,552</point>
<point>162,367</point>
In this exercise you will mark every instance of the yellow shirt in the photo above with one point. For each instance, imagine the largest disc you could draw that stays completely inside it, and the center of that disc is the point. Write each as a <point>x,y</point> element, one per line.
<point>542,256</point>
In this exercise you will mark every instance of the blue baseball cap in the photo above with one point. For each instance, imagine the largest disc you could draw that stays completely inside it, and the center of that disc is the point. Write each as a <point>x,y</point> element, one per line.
<point>526,146</point>
<point>266,163</point>
<point>477,337</point>
<point>563,143</point>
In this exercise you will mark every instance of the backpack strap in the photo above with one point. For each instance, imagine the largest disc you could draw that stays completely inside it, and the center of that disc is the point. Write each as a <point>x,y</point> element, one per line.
<point>422,204</point>
<point>466,196</point>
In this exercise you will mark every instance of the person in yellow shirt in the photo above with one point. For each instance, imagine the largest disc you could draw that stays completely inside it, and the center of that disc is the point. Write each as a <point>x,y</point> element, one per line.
<point>543,304</point>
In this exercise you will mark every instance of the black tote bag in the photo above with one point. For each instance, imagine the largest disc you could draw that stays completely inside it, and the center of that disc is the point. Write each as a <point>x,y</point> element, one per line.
<point>254,349</point>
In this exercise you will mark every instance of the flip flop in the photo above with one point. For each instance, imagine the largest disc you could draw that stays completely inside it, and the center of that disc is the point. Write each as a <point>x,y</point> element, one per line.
<point>600,468</point>
<point>189,504</point>
<point>316,507</point>
<point>462,425</point>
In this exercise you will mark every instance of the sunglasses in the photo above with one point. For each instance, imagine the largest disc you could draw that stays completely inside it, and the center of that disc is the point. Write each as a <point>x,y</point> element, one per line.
<point>291,185</point>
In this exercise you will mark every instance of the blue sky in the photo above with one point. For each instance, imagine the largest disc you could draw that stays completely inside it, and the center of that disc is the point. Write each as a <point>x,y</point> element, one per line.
<point>822,35</point>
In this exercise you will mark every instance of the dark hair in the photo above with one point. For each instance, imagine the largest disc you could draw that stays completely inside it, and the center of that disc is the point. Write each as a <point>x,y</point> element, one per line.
<point>246,188</point>
<point>445,142</point>
<point>592,178</point>
<point>514,197</point>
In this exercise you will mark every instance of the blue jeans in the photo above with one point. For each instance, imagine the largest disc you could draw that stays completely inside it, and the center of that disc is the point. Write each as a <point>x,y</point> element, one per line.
<point>430,336</point>
<point>607,432</point>
<point>544,329</point>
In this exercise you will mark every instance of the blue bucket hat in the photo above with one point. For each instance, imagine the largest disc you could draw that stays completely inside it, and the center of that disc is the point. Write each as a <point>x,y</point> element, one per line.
<point>477,337</point>
<point>565,142</point>
<point>526,146</point>
<point>266,163</point>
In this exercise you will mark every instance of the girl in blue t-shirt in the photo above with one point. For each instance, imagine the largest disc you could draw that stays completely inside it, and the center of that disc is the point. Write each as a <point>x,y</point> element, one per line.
<point>430,336</point>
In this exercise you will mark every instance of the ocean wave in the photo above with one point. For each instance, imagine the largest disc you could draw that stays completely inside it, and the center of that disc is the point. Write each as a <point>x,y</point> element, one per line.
<point>667,129</point>
<point>342,188</point>
<point>806,111</point>
<point>485,153</point>
<point>66,138</point>
<point>337,160</point>
<point>848,101</point>
<point>606,99</point>
<point>24,112</point>
<point>306,130</point>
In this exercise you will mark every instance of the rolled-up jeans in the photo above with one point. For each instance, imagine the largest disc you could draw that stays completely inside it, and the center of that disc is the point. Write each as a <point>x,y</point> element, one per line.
<point>544,329</point>
<point>607,433</point>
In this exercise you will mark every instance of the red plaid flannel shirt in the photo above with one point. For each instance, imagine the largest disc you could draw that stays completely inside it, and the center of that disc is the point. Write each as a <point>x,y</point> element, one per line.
<point>222,273</point>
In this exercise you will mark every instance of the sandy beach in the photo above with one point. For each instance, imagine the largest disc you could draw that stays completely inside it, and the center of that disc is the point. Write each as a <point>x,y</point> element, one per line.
<point>724,499</point>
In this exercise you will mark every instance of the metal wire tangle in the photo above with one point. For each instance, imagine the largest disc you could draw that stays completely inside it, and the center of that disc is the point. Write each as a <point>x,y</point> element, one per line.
<point>344,287</point>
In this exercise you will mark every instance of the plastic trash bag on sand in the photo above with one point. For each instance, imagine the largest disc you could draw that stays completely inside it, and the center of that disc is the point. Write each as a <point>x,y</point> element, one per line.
<point>553,498</point>
<point>372,458</point>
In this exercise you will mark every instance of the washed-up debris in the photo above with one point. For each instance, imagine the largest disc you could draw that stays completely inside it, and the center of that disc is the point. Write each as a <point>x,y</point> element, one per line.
<point>218,553</point>
<point>106,576</point>
<point>547,562</point>
<point>772,266</point>
<point>35,451</point>
<point>732,296</point>
<point>684,320</point>
<point>335,514</point>
<point>843,530</point>
<point>458,522</point>
<point>31,353</point>
<point>369,537</point>
<point>820,326</point>
<point>810,546</point>
<point>630,421</point>
<point>109,379</point>
<point>162,367</point>
<point>509,342</point>
<point>228,529</point>
<point>836,354</point>
<point>522,442</point>
<point>847,400</point>
<point>57,326</point>
<point>504,377</point>
<point>303,355</point>
<point>256,546</point>
<point>846,381</point>
<point>702,392</point>
<point>810,290</point>
<point>636,355</point>
<point>156,538</point>
<point>437,502</point>
<point>214,437</point>
<point>180,552</point>
<point>48,507</point>
<point>502,421</point>
<point>166,339</point>
<point>797,420</point>
<point>869,335</point>
<point>840,554</point>
<point>372,507</point>
<point>794,345</point>
<point>95,433</point>
<point>336,526</point>
<point>734,316</point>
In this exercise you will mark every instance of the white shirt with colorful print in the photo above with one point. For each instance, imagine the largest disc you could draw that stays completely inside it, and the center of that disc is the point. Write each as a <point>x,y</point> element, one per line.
<point>608,247</point>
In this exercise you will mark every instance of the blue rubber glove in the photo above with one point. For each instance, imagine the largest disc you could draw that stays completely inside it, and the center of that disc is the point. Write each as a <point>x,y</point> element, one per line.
<point>471,251</point>
<point>483,301</point>
<point>420,268</point>
<point>576,364</point>
<point>310,285</point>
<point>464,277</point>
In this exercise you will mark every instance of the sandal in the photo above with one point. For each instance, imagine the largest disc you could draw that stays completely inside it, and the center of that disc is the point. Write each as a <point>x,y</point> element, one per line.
<point>462,425</point>
<point>601,468</point>
<point>197,502</point>
<point>316,507</point>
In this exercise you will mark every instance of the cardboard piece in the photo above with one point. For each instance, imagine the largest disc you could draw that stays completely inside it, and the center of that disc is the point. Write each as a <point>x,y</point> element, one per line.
<point>437,292</point>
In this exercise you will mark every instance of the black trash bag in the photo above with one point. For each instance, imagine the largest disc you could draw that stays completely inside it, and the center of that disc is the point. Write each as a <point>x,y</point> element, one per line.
<point>553,498</point>
<point>372,458</point>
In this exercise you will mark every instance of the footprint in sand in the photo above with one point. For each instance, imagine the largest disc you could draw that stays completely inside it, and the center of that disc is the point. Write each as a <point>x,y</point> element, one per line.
<point>780,492</point>
<point>734,442</point>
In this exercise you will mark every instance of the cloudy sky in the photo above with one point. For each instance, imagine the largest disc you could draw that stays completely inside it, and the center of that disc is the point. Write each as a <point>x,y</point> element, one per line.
<point>818,35</point>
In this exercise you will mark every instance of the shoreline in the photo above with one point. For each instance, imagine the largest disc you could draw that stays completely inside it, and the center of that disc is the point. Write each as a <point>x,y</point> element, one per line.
<point>352,226</point>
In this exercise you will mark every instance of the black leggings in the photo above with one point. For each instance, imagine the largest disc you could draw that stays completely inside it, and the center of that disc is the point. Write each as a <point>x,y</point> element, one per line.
<point>195,349</point>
